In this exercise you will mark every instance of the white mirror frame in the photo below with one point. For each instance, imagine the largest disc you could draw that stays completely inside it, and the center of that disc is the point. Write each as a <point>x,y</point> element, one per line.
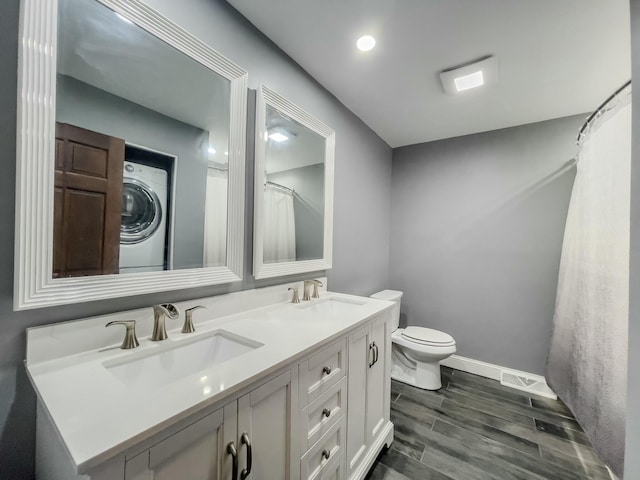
<point>266,96</point>
<point>34,285</point>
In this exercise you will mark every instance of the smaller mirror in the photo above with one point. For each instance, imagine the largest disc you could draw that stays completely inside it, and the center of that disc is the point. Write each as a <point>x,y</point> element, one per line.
<point>293,214</point>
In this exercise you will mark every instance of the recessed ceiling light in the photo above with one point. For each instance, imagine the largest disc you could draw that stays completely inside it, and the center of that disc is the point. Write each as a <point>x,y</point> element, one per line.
<point>470,76</point>
<point>467,82</point>
<point>366,43</point>
<point>278,137</point>
<point>211,150</point>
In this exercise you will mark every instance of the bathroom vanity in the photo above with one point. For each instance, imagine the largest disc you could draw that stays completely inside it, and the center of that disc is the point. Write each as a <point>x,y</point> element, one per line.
<point>264,389</point>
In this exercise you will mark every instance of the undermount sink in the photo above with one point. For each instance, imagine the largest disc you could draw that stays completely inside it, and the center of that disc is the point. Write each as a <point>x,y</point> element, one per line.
<point>332,305</point>
<point>174,360</point>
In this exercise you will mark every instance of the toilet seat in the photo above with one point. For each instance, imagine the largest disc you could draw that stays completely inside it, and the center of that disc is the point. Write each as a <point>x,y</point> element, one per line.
<point>428,336</point>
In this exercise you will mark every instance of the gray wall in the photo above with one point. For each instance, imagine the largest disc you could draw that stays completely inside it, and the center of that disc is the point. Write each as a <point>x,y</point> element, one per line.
<point>88,107</point>
<point>308,207</point>
<point>476,234</point>
<point>632,459</point>
<point>362,192</point>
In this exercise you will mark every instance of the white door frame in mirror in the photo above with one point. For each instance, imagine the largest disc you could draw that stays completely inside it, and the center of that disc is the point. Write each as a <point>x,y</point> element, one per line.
<point>266,96</point>
<point>34,285</point>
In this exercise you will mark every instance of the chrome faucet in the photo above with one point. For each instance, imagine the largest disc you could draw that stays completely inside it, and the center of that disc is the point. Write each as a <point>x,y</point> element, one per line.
<point>311,283</point>
<point>159,312</point>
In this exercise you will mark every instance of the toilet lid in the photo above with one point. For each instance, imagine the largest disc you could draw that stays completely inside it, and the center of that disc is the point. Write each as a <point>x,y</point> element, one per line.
<point>428,336</point>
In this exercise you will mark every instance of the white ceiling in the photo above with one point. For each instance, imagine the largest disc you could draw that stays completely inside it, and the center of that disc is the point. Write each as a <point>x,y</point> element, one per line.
<point>555,58</point>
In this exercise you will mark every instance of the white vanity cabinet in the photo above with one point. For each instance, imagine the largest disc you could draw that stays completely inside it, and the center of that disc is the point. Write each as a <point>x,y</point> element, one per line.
<point>254,432</point>
<point>314,408</point>
<point>369,390</point>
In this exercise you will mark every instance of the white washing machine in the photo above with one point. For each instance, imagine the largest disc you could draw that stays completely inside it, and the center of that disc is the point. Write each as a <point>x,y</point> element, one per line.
<point>143,231</point>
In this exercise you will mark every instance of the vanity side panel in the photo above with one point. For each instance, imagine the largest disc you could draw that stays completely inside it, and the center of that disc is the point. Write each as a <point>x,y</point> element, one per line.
<point>52,459</point>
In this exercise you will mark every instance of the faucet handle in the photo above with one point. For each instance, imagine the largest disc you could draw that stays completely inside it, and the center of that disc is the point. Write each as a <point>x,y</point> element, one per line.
<point>316,284</point>
<point>188,320</point>
<point>294,298</point>
<point>130,339</point>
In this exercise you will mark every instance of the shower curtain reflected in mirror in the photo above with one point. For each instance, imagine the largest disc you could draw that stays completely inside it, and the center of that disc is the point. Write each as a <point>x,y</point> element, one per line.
<point>279,225</point>
<point>587,362</point>
<point>215,223</point>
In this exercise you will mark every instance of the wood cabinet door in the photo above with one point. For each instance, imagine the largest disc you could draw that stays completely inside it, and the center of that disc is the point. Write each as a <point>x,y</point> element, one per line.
<point>196,452</point>
<point>266,417</point>
<point>87,202</point>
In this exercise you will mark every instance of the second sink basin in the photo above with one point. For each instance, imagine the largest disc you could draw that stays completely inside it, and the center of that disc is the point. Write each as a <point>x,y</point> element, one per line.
<point>173,360</point>
<point>332,305</point>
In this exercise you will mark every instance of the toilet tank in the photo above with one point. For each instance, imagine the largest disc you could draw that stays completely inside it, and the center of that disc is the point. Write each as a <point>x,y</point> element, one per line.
<point>392,296</point>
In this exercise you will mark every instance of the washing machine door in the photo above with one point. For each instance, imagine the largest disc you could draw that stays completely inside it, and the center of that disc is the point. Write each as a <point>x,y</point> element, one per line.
<point>141,211</point>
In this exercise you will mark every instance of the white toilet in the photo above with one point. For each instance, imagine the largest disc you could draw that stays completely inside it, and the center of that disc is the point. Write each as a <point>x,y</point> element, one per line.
<point>416,351</point>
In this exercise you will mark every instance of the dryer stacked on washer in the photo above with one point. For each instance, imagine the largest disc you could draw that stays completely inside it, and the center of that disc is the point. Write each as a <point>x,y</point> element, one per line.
<point>143,230</point>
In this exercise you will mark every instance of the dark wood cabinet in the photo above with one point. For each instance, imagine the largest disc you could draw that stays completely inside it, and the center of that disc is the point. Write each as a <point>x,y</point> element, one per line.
<point>87,203</point>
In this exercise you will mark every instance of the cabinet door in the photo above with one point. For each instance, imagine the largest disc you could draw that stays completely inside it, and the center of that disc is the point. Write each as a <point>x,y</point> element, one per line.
<point>377,414</point>
<point>359,358</point>
<point>266,416</point>
<point>194,453</point>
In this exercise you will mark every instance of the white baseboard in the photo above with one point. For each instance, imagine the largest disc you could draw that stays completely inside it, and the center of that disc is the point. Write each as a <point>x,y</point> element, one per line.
<point>528,382</point>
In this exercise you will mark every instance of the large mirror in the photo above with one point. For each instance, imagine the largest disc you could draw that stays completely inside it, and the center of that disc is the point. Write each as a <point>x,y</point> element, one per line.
<point>293,213</point>
<point>131,155</point>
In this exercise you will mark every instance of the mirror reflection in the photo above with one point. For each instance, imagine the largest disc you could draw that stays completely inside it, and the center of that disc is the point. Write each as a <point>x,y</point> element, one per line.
<point>293,191</point>
<point>142,132</point>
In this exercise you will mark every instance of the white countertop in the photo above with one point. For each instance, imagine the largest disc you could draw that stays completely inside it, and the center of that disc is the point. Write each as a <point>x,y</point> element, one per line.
<point>99,417</point>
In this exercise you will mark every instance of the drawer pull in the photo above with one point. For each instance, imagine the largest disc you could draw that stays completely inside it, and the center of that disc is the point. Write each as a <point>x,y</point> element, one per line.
<point>326,370</point>
<point>326,412</point>
<point>326,454</point>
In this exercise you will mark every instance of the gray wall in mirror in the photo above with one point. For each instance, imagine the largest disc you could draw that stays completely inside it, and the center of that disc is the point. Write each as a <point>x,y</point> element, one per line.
<point>362,206</point>
<point>308,200</point>
<point>81,104</point>
<point>484,216</point>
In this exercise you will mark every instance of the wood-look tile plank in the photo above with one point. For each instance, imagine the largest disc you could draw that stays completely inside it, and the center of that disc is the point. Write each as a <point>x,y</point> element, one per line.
<point>410,467</point>
<point>381,472</point>
<point>565,433</point>
<point>473,420</point>
<point>583,468</point>
<point>492,407</point>
<point>556,406</point>
<point>429,397</point>
<point>489,386</point>
<point>520,409</point>
<point>492,449</point>
<point>408,434</point>
<point>460,462</point>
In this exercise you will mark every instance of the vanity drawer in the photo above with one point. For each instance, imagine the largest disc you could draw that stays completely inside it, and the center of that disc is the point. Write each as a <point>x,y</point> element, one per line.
<point>321,371</point>
<point>321,414</point>
<point>314,465</point>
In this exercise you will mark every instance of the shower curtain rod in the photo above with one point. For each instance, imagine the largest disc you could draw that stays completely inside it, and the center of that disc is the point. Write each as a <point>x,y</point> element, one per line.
<point>599,110</point>
<point>277,185</point>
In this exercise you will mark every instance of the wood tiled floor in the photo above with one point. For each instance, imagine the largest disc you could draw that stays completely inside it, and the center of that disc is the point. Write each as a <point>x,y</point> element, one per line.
<point>476,429</point>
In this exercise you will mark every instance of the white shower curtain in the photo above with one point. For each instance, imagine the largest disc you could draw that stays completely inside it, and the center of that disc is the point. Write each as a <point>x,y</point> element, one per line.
<point>215,220</point>
<point>587,363</point>
<point>279,226</point>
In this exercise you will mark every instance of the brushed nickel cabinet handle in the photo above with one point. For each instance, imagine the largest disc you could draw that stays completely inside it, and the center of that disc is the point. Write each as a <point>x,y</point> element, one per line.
<point>326,370</point>
<point>375,352</point>
<point>326,454</point>
<point>326,412</point>
<point>371,362</point>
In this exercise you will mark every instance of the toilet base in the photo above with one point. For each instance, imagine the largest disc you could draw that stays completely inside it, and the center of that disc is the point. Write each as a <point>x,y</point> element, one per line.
<point>424,375</point>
